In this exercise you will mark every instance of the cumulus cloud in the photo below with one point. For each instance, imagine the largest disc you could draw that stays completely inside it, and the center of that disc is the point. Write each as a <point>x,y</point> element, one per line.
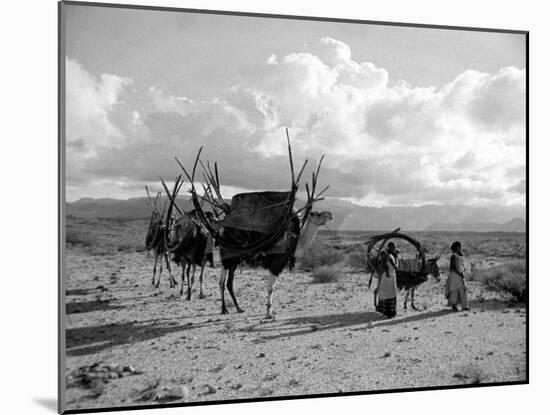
<point>463,142</point>
<point>89,101</point>
<point>91,104</point>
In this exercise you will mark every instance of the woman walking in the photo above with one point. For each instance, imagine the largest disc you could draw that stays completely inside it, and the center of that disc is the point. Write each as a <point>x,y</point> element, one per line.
<point>455,288</point>
<point>387,284</point>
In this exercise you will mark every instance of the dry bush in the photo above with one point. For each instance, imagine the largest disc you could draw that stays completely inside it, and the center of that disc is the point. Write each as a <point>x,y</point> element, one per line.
<point>473,373</point>
<point>79,237</point>
<point>319,255</point>
<point>325,274</point>
<point>131,246</point>
<point>357,259</point>
<point>511,278</point>
<point>106,236</point>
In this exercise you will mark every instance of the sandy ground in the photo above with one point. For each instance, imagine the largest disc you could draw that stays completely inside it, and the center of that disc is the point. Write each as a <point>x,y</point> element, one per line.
<point>326,337</point>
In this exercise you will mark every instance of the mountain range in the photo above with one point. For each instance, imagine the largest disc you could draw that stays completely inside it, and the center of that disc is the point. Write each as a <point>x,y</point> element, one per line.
<point>347,216</point>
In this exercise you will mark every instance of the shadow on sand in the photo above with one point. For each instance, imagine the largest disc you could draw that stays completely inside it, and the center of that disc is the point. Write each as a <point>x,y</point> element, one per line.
<point>85,291</point>
<point>366,320</point>
<point>89,306</point>
<point>89,340</point>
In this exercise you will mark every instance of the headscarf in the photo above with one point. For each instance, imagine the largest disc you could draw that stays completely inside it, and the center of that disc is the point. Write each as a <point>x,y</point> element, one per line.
<point>456,246</point>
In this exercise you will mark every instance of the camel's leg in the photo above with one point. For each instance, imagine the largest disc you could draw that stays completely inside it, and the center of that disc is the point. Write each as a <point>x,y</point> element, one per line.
<point>230,289</point>
<point>406,298</point>
<point>203,266</point>
<point>270,285</point>
<point>183,267</point>
<point>173,281</point>
<point>160,274</point>
<point>412,299</point>
<point>375,297</point>
<point>190,280</point>
<point>155,268</point>
<point>223,276</point>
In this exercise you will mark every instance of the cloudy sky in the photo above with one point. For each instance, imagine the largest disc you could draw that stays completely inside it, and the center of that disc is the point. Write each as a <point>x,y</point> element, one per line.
<point>405,116</point>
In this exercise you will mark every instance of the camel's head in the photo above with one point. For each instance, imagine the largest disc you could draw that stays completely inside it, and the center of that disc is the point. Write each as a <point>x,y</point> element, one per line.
<point>320,218</point>
<point>155,226</point>
<point>314,221</point>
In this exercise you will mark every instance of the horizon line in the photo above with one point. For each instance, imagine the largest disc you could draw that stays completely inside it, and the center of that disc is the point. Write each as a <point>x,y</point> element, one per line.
<point>432,204</point>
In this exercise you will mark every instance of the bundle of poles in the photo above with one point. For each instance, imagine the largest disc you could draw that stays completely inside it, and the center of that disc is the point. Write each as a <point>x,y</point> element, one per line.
<point>212,197</point>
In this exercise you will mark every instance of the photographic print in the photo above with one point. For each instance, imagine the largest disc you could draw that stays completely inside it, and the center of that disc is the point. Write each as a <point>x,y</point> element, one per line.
<point>258,207</point>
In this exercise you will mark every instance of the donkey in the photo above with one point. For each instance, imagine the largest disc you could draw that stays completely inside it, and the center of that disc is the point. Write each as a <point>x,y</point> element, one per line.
<point>411,280</point>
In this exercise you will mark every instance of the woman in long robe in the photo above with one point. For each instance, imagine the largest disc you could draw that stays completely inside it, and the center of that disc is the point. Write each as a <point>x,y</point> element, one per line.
<point>455,288</point>
<point>387,285</point>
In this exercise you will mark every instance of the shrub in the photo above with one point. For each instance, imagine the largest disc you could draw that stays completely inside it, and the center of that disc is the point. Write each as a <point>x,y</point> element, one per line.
<point>100,250</point>
<point>472,373</point>
<point>324,274</point>
<point>79,237</point>
<point>358,259</point>
<point>511,278</point>
<point>130,246</point>
<point>319,255</point>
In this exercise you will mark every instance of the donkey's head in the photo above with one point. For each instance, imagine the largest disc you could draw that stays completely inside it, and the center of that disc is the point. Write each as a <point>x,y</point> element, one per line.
<point>432,267</point>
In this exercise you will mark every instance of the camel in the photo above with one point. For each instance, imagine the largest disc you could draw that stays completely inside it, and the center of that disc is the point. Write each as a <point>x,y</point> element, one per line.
<point>273,262</point>
<point>192,245</point>
<point>155,243</point>
<point>258,227</point>
<point>158,234</point>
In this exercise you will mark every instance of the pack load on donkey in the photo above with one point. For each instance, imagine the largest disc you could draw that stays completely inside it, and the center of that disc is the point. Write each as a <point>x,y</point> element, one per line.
<point>411,272</point>
<point>259,228</point>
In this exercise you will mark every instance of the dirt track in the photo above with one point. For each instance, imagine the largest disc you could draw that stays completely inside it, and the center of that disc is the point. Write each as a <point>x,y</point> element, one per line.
<point>326,337</point>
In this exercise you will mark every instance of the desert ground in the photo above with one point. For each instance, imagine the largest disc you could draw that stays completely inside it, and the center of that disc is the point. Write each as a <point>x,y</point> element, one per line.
<point>128,343</point>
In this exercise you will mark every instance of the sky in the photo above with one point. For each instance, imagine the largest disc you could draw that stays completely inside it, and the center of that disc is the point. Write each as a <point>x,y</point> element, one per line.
<point>404,116</point>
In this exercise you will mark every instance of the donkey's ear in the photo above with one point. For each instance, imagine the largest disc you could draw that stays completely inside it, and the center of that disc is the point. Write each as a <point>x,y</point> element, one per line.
<point>438,256</point>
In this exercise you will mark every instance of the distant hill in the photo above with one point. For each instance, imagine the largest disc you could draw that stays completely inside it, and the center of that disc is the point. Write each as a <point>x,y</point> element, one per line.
<point>429,217</point>
<point>134,208</point>
<point>347,216</point>
<point>514,225</point>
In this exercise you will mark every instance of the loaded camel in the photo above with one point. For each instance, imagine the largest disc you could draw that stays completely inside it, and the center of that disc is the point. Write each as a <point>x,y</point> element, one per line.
<point>410,272</point>
<point>260,228</point>
<point>189,242</point>
<point>274,260</point>
<point>155,239</point>
<point>192,247</point>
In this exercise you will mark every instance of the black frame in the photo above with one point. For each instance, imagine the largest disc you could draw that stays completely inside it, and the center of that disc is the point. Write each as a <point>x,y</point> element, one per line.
<point>61,204</point>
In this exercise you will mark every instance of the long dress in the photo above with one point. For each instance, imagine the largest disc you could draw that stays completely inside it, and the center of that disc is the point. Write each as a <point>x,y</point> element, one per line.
<point>455,289</point>
<point>387,289</point>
